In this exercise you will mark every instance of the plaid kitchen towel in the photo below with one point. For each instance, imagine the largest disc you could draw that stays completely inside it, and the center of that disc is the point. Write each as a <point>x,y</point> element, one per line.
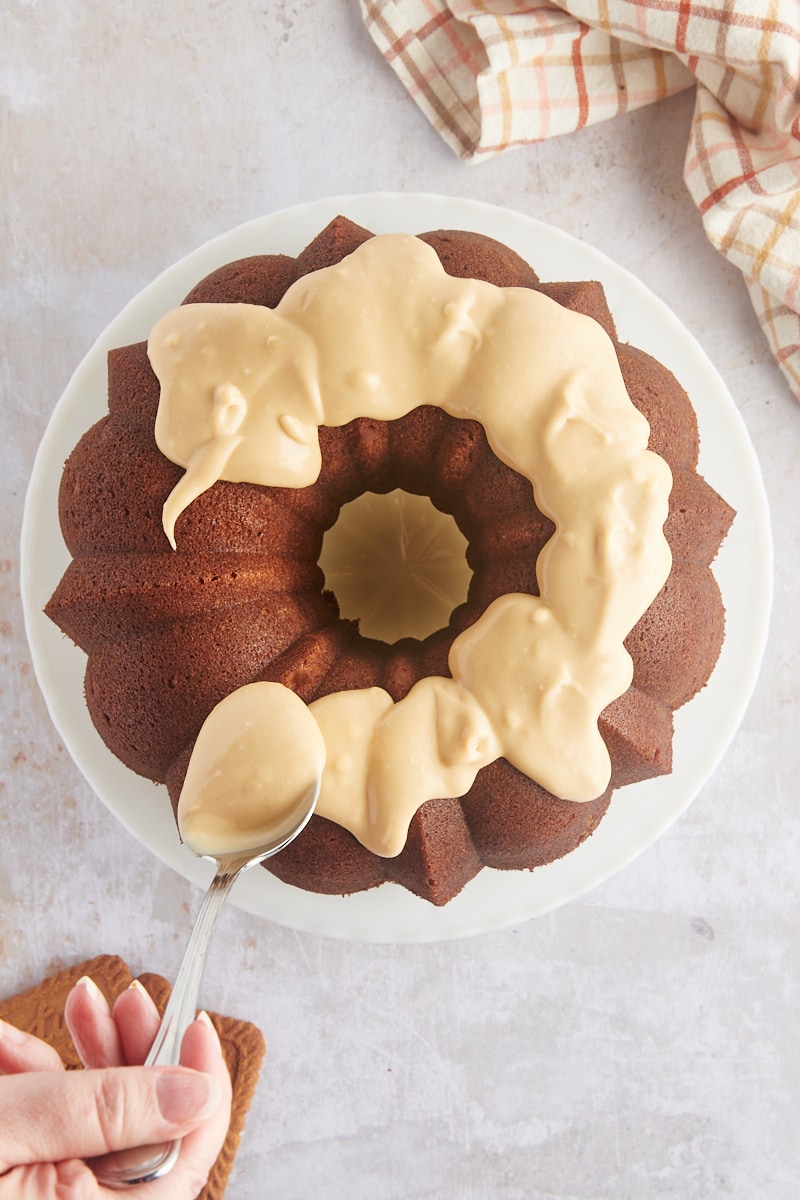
<point>493,74</point>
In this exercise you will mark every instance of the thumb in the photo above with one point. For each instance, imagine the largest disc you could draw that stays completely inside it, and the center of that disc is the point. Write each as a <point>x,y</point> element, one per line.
<point>49,1116</point>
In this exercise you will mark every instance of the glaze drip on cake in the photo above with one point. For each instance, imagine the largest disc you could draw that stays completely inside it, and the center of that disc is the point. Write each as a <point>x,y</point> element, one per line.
<point>243,391</point>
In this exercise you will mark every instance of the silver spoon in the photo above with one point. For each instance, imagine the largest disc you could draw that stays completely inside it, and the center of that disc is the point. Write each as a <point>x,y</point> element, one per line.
<point>127,1168</point>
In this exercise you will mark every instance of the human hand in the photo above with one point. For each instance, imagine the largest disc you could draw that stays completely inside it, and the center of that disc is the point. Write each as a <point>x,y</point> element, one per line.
<point>53,1120</point>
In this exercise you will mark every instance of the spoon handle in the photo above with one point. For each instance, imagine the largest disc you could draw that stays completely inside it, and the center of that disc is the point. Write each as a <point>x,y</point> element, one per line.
<point>181,1009</point>
<point>127,1168</point>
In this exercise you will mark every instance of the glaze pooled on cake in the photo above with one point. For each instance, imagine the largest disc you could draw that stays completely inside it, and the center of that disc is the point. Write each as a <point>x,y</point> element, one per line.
<point>243,392</point>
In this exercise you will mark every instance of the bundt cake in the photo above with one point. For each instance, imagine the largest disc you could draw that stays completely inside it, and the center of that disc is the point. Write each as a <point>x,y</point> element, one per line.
<point>170,632</point>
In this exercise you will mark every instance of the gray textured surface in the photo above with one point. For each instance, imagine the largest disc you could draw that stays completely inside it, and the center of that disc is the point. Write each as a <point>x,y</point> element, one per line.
<point>639,1043</point>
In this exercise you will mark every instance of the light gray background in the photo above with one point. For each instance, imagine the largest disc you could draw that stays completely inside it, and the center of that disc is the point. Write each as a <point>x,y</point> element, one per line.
<point>639,1043</point>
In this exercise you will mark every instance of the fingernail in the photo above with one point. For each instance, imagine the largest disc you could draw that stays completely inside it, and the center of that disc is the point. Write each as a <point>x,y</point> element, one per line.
<point>89,985</point>
<point>138,987</point>
<point>209,1025</point>
<point>186,1096</point>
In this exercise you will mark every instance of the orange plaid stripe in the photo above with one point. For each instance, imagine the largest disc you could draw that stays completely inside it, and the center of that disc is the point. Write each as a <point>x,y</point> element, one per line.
<point>493,74</point>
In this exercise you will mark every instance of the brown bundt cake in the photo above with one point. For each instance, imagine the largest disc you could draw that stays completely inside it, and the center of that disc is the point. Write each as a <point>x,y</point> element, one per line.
<point>168,633</point>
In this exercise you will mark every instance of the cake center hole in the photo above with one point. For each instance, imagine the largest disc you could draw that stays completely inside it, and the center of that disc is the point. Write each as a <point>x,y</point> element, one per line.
<point>396,564</point>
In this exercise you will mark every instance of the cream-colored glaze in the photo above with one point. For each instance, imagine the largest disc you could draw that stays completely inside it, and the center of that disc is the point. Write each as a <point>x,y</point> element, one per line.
<point>396,564</point>
<point>257,757</point>
<point>377,335</point>
<point>385,759</point>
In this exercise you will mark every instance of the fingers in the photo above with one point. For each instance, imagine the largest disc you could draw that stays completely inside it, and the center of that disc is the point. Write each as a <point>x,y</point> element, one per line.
<point>91,1112</point>
<point>137,1020</point>
<point>51,1181</point>
<point>92,1027</point>
<point>201,1050</point>
<point>21,1051</point>
<point>49,1116</point>
<point>101,1040</point>
<point>115,1038</point>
